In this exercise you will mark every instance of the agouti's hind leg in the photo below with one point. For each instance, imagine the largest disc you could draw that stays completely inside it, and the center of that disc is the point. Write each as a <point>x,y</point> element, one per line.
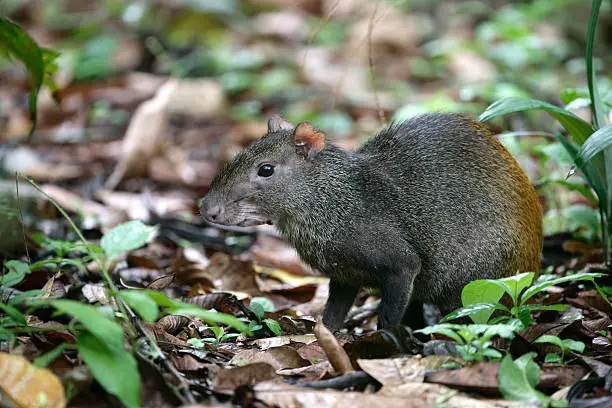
<point>413,316</point>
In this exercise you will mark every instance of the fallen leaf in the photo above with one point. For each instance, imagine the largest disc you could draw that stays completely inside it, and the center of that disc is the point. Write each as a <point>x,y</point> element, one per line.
<point>227,380</point>
<point>395,371</point>
<point>28,386</point>
<point>335,353</point>
<point>282,357</point>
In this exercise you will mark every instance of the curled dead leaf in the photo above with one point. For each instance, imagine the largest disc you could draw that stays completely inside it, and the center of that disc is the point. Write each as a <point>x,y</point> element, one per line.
<point>335,353</point>
<point>29,386</point>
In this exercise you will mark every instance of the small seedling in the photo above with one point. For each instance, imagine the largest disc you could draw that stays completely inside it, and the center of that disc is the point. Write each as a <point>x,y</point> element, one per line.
<point>474,339</point>
<point>565,345</point>
<point>220,336</point>
<point>259,306</point>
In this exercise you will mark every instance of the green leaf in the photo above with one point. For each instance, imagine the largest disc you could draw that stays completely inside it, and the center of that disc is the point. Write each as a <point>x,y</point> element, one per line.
<point>577,127</point>
<point>443,329</point>
<point>16,42</point>
<point>574,345</point>
<point>517,379</point>
<point>596,105</point>
<point>534,307</point>
<point>217,331</point>
<point>106,330</point>
<point>475,311</point>
<point>553,358</point>
<point>597,143</point>
<point>273,326</point>
<point>112,366</point>
<point>539,287</point>
<point>49,356</point>
<point>265,303</point>
<point>479,292</point>
<point>14,314</point>
<point>16,271</point>
<point>211,317</point>
<point>258,309</point>
<point>142,303</point>
<point>126,237</point>
<point>580,188</point>
<point>550,339</point>
<point>517,283</point>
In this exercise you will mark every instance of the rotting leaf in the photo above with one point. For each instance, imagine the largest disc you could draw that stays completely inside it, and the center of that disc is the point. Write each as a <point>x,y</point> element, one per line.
<point>29,386</point>
<point>227,380</point>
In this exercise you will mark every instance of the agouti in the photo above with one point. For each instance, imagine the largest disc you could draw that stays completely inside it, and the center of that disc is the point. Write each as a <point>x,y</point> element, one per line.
<point>420,210</point>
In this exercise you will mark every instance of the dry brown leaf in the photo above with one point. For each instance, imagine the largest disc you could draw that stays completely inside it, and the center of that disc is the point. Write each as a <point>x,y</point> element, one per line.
<point>227,380</point>
<point>28,386</point>
<point>145,135</point>
<point>73,203</point>
<point>395,371</point>
<point>161,283</point>
<point>283,357</point>
<point>480,377</point>
<point>289,396</point>
<point>266,343</point>
<point>335,353</point>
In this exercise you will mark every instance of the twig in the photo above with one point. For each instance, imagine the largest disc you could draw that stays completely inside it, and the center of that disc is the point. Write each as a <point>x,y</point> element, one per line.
<point>371,70</point>
<point>358,379</point>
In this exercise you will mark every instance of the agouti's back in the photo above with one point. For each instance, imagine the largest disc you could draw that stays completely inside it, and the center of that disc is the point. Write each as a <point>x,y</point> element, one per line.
<point>470,210</point>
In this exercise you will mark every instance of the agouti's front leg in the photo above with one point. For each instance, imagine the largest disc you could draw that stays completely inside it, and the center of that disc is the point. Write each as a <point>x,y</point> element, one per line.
<point>396,291</point>
<point>339,302</point>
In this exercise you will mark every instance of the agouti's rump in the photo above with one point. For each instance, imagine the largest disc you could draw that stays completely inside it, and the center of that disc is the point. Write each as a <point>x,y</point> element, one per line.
<point>419,211</point>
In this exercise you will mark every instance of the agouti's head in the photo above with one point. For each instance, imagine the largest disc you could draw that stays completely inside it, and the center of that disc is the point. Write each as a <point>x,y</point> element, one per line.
<point>257,184</point>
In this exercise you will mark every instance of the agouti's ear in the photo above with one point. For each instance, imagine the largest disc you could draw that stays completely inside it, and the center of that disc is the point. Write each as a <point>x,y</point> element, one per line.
<point>277,123</point>
<point>308,140</point>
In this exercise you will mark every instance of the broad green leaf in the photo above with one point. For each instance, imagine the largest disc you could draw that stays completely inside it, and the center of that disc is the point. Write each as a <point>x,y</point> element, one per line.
<point>112,366</point>
<point>273,326</point>
<point>479,292</point>
<point>15,42</point>
<point>443,329</point>
<point>517,379</point>
<point>553,358</point>
<point>15,272</point>
<point>550,339</point>
<point>475,311</point>
<point>142,303</point>
<point>265,303</point>
<point>502,330</point>
<point>598,142</point>
<point>106,330</point>
<point>535,307</point>
<point>517,283</point>
<point>574,345</point>
<point>217,331</point>
<point>258,309</point>
<point>28,294</point>
<point>539,287</point>
<point>126,237</point>
<point>577,127</point>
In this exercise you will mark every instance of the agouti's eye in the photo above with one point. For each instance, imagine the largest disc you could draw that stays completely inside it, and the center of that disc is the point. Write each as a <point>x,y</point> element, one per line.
<point>266,170</point>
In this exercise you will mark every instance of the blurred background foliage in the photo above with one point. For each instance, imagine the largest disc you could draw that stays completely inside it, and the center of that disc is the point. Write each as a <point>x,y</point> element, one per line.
<point>346,65</point>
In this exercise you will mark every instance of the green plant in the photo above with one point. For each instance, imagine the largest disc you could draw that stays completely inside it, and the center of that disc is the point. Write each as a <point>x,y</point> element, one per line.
<point>100,336</point>
<point>259,306</point>
<point>518,379</point>
<point>480,298</point>
<point>40,62</point>
<point>564,345</point>
<point>589,145</point>
<point>474,339</point>
<point>220,337</point>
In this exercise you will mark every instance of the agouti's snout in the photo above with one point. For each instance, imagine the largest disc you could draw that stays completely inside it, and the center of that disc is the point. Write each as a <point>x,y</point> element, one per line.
<point>212,212</point>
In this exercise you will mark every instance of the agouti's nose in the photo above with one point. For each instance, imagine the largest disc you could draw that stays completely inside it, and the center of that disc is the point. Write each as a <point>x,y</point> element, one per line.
<point>213,212</point>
